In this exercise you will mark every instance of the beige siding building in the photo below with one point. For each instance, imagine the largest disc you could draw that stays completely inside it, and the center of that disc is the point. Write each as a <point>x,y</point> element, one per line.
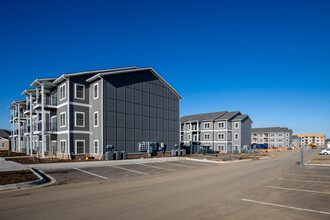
<point>310,138</point>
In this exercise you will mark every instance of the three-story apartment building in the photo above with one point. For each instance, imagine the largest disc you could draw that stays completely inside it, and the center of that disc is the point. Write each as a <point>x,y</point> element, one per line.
<point>275,137</point>
<point>218,131</point>
<point>83,113</point>
<point>312,138</point>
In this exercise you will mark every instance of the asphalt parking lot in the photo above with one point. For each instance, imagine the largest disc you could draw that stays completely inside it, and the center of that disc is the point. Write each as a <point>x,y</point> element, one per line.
<point>115,172</point>
<point>298,190</point>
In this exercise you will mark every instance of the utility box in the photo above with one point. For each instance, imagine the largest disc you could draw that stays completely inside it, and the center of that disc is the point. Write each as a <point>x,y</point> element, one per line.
<point>124,155</point>
<point>182,152</point>
<point>109,155</point>
<point>148,146</point>
<point>116,155</point>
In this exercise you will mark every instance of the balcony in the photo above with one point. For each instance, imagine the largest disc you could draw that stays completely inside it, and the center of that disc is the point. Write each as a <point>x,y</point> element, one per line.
<point>49,127</point>
<point>49,102</point>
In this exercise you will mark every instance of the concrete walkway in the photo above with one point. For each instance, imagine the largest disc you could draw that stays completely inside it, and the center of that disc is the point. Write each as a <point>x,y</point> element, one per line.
<point>10,166</point>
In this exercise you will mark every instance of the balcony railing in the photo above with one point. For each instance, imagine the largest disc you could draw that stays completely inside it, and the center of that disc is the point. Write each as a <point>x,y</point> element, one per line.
<point>49,127</point>
<point>48,101</point>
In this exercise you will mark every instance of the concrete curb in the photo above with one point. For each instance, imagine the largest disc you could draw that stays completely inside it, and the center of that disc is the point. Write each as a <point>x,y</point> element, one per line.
<point>44,180</point>
<point>212,161</point>
<point>317,164</point>
<point>70,165</point>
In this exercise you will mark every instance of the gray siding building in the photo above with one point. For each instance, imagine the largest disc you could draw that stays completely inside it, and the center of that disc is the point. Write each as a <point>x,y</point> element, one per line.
<point>218,131</point>
<point>82,113</point>
<point>275,137</point>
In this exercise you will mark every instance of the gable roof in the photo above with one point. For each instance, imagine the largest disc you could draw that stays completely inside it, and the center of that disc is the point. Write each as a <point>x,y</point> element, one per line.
<point>271,129</point>
<point>150,69</point>
<point>4,133</point>
<point>64,76</point>
<point>242,117</point>
<point>228,115</point>
<point>204,116</point>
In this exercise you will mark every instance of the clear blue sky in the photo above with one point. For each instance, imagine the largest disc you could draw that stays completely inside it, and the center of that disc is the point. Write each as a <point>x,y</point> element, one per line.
<point>269,59</point>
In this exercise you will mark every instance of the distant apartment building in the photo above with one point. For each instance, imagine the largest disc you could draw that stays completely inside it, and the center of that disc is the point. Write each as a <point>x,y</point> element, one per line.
<point>275,137</point>
<point>310,138</point>
<point>83,113</point>
<point>218,131</point>
<point>296,141</point>
<point>4,139</point>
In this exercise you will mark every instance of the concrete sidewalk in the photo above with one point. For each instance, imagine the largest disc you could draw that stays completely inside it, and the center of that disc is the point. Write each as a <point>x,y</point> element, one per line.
<point>11,166</point>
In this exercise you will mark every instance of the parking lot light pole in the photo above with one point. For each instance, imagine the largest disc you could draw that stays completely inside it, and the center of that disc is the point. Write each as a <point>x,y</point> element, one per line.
<point>301,156</point>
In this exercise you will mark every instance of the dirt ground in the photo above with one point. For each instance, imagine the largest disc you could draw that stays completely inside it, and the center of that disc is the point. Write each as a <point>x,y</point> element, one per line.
<point>319,161</point>
<point>34,160</point>
<point>225,157</point>
<point>4,153</point>
<point>11,177</point>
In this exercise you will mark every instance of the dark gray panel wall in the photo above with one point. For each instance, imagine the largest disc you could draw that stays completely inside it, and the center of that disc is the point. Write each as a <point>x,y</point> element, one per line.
<point>139,107</point>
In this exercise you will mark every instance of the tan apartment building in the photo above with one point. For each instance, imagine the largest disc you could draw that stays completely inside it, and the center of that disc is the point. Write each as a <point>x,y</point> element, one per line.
<point>310,138</point>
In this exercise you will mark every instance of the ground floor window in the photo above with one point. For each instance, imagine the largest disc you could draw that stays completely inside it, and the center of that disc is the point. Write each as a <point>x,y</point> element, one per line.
<point>80,146</point>
<point>62,146</point>
<point>96,146</point>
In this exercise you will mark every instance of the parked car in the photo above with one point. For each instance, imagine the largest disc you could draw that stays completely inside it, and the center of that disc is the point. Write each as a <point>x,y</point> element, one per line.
<point>325,151</point>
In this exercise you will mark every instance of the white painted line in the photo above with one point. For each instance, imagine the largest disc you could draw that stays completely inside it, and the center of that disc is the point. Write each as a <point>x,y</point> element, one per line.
<point>300,190</point>
<point>284,206</point>
<point>292,174</point>
<point>133,171</point>
<point>307,181</point>
<point>91,173</point>
<point>178,165</point>
<point>142,164</point>
<point>200,163</point>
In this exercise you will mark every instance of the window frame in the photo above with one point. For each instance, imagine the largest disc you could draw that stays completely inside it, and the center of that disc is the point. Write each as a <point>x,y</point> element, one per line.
<point>221,124</point>
<point>63,93</point>
<point>97,119</point>
<point>75,91</point>
<point>76,147</point>
<point>96,141</point>
<point>208,125</point>
<point>236,123</point>
<point>237,136</point>
<point>62,141</point>
<point>221,139</point>
<point>209,136</point>
<point>97,91</point>
<point>75,119</point>
<point>62,113</point>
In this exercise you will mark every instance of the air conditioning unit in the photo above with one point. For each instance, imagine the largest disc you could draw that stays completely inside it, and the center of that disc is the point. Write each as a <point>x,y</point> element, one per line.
<point>148,146</point>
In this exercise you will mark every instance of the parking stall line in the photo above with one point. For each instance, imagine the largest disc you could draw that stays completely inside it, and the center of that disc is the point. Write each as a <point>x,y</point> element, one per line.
<point>300,190</point>
<point>133,171</point>
<point>195,163</point>
<point>307,175</point>
<point>307,181</point>
<point>178,165</point>
<point>91,173</point>
<point>284,206</point>
<point>155,167</point>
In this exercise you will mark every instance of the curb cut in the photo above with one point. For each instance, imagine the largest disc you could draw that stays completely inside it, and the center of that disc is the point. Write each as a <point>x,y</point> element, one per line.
<point>317,164</point>
<point>44,180</point>
<point>212,161</point>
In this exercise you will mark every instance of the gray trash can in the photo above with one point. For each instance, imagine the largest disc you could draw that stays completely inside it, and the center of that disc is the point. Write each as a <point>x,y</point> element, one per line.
<point>108,155</point>
<point>124,155</point>
<point>173,153</point>
<point>117,155</point>
<point>182,152</point>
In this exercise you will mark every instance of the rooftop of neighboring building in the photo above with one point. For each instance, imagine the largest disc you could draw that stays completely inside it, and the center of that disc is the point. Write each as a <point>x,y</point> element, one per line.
<point>4,133</point>
<point>271,129</point>
<point>310,135</point>
<point>215,116</point>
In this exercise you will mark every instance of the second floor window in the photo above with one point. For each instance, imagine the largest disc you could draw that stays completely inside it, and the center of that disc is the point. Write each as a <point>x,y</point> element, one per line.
<point>63,119</point>
<point>236,136</point>
<point>221,136</point>
<point>96,91</point>
<point>63,92</point>
<point>79,91</point>
<point>221,125</point>
<point>80,119</point>
<point>207,136</point>
<point>207,125</point>
<point>96,119</point>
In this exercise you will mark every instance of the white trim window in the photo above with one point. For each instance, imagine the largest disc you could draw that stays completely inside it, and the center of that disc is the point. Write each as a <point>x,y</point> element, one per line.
<point>79,91</point>
<point>96,146</point>
<point>207,136</point>
<point>188,127</point>
<point>206,125</point>
<point>62,119</point>
<point>62,146</point>
<point>221,136</point>
<point>236,125</point>
<point>79,119</point>
<point>96,119</point>
<point>62,91</point>
<point>189,137</point>
<point>80,146</point>
<point>96,91</point>
<point>2,145</point>
<point>221,147</point>
<point>221,124</point>
<point>236,136</point>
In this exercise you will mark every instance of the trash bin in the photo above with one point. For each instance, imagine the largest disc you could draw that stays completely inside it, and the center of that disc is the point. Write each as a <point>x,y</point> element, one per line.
<point>108,155</point>
<point>182,152</point>
<point>124,155</point>
<point>173,153</point>
<point>117,155</point>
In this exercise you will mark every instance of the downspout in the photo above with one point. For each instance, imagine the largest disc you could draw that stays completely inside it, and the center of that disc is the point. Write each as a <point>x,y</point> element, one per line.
<point>68,118</point>
<point>19,127</point>
<point>31,151</point>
